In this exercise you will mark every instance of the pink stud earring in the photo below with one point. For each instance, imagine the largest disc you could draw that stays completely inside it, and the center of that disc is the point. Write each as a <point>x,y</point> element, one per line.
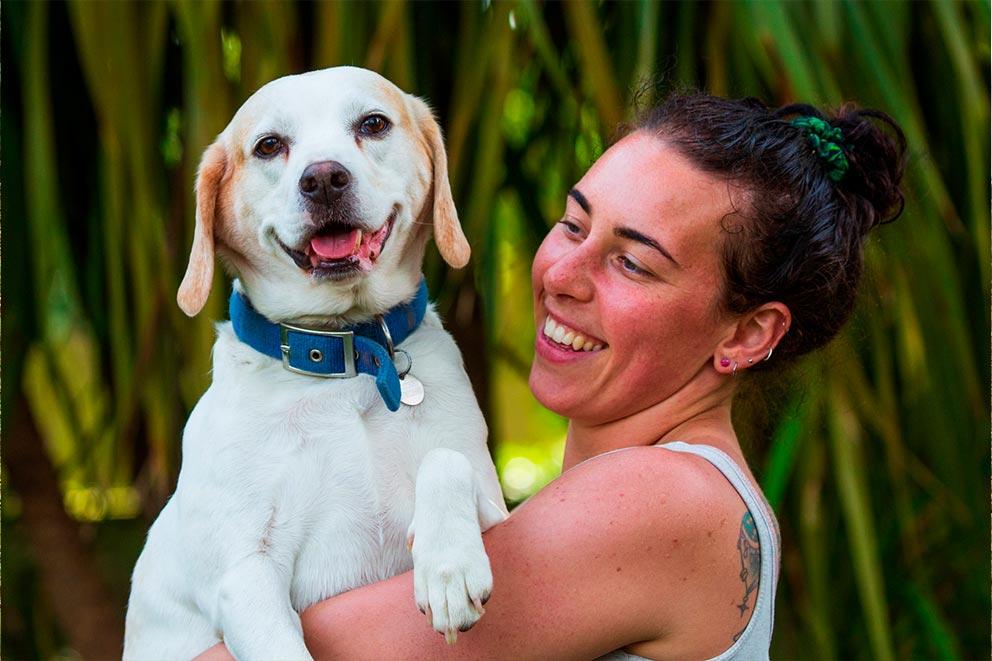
<point>724,362</point>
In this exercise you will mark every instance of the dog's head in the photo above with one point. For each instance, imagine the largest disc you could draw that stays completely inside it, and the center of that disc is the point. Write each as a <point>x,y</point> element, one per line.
<point>320,195</point>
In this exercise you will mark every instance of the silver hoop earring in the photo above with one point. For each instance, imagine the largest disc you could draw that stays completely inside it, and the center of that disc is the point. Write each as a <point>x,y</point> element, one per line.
<point>769,356</point>
<point>733,372</point>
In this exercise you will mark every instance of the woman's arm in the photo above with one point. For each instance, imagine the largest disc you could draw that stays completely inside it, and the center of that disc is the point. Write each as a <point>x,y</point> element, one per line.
<point>621,549</point>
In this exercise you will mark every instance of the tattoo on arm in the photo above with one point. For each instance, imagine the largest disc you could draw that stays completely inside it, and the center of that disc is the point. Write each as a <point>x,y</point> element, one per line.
<point>750,551</point>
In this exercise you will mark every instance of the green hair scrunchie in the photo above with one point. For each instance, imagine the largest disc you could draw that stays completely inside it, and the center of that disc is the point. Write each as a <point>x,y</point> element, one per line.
<point>827,141</point>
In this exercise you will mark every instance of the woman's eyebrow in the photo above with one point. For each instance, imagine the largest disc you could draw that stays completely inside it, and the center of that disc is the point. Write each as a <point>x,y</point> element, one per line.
<point>634,235</point>
<point>581,199</point>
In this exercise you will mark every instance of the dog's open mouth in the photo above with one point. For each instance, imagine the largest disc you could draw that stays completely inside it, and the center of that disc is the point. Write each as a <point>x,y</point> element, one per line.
<point>339,250</point>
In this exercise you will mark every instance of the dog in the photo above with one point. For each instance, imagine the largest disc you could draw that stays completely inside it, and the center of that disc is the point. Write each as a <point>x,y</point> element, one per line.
<point>320,196</point>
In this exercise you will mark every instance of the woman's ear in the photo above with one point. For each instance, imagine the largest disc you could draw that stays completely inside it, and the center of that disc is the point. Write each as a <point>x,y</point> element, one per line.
<point>195,287</point>
<point>448,233</point>
<point>754,338</point>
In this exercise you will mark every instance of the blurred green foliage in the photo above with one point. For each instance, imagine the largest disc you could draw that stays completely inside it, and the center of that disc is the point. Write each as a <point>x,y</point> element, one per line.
<point>875,455</point>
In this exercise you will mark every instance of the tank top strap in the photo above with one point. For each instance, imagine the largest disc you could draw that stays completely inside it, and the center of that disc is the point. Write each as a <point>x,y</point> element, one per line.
<point>757,635</point>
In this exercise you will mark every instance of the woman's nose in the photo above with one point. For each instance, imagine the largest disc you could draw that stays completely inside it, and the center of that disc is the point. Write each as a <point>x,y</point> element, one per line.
<point>570,275</point>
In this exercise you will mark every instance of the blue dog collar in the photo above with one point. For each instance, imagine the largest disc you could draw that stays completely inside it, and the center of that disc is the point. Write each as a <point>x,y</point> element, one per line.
<point>363,349</point>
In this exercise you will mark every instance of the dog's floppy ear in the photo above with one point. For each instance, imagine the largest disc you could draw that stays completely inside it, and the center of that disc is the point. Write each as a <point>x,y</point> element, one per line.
<point>199,276</point>
<point>448,233</point>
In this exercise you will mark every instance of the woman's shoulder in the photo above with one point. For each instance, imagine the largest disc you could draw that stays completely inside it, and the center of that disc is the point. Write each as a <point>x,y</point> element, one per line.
<point>666,482</point>
<point>672,521</point>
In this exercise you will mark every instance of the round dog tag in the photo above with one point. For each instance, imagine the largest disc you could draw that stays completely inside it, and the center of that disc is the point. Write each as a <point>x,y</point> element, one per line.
<point>411,390</point>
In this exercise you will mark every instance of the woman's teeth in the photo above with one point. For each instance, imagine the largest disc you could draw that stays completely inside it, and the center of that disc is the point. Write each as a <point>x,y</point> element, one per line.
<point>562,334</point>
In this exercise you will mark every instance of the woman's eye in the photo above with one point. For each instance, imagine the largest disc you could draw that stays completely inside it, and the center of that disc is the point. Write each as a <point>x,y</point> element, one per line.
<point>269,146</point>
<point>570,227</point>
<point>630,266</point>
<point>373,125</point>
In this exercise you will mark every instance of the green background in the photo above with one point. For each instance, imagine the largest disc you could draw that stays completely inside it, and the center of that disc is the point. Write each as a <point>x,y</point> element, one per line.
<point>874,452</point>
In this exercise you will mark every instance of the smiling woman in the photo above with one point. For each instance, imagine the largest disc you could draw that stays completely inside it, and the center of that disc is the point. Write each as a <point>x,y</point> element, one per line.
<point>715,235</point>
<point>637,270</point>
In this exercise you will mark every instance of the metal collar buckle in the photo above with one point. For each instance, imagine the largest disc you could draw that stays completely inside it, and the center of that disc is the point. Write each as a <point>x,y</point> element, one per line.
<point>347,340</point>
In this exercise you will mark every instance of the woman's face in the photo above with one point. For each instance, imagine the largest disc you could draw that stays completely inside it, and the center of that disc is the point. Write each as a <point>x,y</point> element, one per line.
<point>632,275</point>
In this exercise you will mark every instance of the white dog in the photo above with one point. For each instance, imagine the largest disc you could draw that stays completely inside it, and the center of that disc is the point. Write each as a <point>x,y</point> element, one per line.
<point>320,196</point>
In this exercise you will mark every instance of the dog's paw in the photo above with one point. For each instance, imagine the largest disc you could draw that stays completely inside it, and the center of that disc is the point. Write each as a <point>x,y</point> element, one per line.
<point>451,582</point>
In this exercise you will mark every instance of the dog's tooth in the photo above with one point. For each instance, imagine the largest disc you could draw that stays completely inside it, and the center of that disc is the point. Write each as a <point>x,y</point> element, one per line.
<point>587,346</point>
<point>578,341</point>
<point>358,240</point>
<point>569,336</point>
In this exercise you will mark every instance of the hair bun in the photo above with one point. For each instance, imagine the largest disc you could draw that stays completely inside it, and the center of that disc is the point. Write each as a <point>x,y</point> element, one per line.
<point>876,152</point>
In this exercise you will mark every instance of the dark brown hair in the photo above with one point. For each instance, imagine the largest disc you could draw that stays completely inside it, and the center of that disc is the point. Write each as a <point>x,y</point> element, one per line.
<point>797,237</point>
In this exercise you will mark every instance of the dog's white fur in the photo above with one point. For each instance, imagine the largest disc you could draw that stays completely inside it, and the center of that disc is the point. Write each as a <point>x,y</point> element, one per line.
<point>295,488</point>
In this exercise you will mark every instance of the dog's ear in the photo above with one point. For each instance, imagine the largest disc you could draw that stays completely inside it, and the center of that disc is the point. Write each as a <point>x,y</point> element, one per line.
<point>199,276</point>
<point>448,233</point>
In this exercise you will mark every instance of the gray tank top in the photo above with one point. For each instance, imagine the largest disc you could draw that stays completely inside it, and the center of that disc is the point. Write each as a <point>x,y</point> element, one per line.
<point>756,638</point>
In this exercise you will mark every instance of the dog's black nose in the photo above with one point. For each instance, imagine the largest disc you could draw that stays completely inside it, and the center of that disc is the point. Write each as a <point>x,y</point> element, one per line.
<point>325,182</point>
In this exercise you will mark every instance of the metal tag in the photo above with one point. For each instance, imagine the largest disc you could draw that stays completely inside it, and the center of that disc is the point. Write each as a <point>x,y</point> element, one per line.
<point>411,390</point>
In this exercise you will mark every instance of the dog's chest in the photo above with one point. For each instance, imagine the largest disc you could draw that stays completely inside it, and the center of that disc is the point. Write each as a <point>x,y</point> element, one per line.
<point>325,469</point>
<point>357,519</point>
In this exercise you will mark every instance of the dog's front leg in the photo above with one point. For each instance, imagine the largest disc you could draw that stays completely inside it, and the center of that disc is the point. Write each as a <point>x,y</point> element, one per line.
<point>451,573</point>
<point>255,613</point>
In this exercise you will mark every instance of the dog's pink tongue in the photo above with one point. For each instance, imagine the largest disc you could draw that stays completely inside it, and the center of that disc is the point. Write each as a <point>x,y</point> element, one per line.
<point>335,246</point>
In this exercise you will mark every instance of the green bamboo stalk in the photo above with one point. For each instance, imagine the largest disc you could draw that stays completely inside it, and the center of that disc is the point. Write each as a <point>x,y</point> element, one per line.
<point>852,488</point>
<point>269,27</point>
<point>974,127</point>
<point>328,27</point>
<point>540,38</point>
<point>890,23</point>
<point>647,44</point>
<point>717,36</point>
<point>489,150</point>
<point>776,31</point>
<point>815,544</point>
<point>403,55</point>
<point>685,63</point>
<point>391,13</point>
<point>50,252</point>
<point>828,31</point>
<point>472,59</point>
<point>784,451</point>
<point>598,75</point>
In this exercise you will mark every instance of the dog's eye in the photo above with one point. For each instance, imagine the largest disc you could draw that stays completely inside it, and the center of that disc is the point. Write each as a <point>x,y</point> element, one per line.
<point>268,146</point>
<point>373,125</point>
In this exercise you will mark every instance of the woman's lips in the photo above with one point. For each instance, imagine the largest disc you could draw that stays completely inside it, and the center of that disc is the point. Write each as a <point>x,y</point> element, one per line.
<point>566,336</point>
<point>560,343</point>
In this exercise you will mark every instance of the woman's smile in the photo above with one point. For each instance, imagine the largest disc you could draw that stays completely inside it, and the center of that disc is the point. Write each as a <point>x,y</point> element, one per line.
<point>560,342</point>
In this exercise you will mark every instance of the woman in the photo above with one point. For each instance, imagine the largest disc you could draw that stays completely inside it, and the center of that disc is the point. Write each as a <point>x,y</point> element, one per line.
<point>716,238</point>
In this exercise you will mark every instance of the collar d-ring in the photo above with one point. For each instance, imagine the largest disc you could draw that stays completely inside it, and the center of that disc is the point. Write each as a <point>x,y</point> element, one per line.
<point>393,350</point>
<point>389,337</point>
